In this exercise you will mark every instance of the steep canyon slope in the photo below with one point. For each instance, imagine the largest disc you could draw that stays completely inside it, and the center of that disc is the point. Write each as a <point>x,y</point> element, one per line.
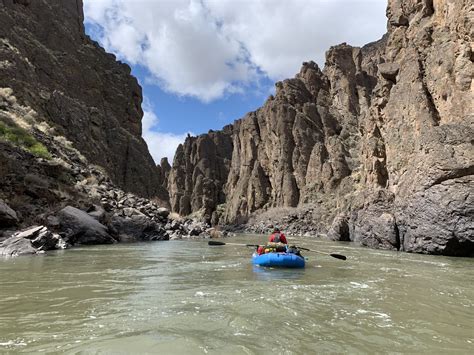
<point>73,166</point>
<point>378,145</point>
<point>49,64</point>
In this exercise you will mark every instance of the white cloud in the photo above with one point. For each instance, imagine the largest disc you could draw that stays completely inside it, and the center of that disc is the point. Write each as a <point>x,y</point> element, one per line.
<point>208,48</point>
<point>279,34</point>
<point>160,144</point>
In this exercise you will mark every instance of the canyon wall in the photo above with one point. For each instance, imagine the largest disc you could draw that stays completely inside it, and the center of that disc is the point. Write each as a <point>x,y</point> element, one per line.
<point>51,66</point>
<point>379,143</point>
<point>200,170</point>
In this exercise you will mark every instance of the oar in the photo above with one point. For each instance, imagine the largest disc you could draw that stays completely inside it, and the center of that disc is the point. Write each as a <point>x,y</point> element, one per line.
<point>337,256</point>
<point>222,243</point>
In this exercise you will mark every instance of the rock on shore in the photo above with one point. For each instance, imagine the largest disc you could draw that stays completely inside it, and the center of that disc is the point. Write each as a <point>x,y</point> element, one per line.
<point>31,241</point>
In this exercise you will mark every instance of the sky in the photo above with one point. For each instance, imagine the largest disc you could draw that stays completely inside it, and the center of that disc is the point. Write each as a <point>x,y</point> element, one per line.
<point>204,63</point>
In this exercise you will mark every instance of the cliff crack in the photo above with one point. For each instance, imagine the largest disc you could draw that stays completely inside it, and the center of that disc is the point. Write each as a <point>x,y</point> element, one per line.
<point>454,174</point>
<point>431,104</point>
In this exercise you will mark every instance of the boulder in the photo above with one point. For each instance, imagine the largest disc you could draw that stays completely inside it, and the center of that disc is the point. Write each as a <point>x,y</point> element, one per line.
<point>174,225</point>
<point>31,241</point>
<point>80,228</point>
<point>129,212</point>
<point>340,228</point>
<point>163,212</point>
<point>8,216</point>
<point>42,239</point>
<point>214,233</point>
<point>195,231</point>
<point>137,228</point>
<point>377,229</point>
<point>16,246</point>
<point>97,212</point>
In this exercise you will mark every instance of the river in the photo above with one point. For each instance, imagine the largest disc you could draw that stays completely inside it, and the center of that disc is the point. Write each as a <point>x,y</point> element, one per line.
<point>185,297</point>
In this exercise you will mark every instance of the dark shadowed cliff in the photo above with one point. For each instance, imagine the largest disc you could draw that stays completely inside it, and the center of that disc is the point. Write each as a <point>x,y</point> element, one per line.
<point>377,146</point>
<point>49,65</point>
<point>73,166</point>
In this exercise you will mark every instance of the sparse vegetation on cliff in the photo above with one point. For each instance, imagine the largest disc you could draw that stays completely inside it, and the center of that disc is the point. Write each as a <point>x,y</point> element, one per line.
<point>23,139</point>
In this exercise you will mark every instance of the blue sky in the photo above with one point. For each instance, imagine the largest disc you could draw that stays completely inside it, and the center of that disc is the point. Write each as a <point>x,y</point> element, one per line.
<point>204,63</point>
<point>183,113</point>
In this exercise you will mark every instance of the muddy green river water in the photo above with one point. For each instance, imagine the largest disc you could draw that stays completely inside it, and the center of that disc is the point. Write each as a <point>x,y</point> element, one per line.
<point>185,297</point>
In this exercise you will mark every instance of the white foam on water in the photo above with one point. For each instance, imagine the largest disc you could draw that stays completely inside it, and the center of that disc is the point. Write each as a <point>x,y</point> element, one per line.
<point>227,266</point>
<point>376,280</point>
<point>13,343</point>
<point>204,294</point>
<point>390,269</point>
<point>437,263</point>
<point>359,285</point>
<point>383,317</point>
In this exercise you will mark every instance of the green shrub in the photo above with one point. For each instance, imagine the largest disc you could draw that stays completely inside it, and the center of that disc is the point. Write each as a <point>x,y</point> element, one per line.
<point>40,150</point>
<point>21,138</point>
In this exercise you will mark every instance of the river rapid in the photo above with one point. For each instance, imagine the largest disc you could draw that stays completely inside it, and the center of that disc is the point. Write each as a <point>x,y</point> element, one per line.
<point>185,297</point>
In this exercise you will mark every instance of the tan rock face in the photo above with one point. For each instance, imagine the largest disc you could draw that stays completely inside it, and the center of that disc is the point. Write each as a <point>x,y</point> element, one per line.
<point>200,168</point>
<point>73,84</point>
<point>381,136</point>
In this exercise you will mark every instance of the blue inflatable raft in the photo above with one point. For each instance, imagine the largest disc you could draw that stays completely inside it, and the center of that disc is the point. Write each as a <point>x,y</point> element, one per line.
<point>289,260</point>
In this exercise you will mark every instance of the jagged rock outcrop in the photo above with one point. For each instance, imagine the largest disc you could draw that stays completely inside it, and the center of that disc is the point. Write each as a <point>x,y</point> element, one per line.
<point>303,141</point>
<point>164,169</point>
<point>378,143</point>
<point>67,80</point>
<point>200,169</point>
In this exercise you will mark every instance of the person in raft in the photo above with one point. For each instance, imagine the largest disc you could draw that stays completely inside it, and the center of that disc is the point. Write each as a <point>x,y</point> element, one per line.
<point>276,243</point>
<point>277,237</point>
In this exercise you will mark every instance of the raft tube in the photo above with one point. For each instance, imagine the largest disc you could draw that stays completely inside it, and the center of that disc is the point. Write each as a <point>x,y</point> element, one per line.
<point>289,260</point>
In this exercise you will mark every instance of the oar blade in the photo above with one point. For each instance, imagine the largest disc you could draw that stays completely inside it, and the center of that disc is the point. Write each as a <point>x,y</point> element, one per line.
<point>338,256</point>
<point>213,242</point>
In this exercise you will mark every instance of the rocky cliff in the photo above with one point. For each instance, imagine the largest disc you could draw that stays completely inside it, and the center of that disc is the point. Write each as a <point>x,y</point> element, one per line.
<point>73,166</point>
<point>200,170</point>
<point>375,148</point>
<point>50,65</point>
